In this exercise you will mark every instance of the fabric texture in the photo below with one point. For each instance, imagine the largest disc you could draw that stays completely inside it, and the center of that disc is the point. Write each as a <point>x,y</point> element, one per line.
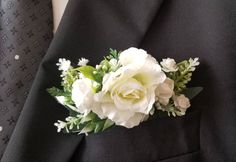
<point>173,28</point>
<point>25,34</point>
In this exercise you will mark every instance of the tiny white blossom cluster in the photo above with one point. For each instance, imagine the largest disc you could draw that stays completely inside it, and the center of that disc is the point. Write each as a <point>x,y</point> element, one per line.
<point>83,62</point>
<point>60,125</point>
<point>125,89</point>
<point>63,64</point>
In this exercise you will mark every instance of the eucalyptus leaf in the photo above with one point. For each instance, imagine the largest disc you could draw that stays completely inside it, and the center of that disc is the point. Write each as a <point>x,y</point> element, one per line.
<point>192,92</point>
<point>91,116</point>
<point>73,108</point>
<point>99,126</point>
<point>56,92</point>
<point>88,128</point>
<point>108,123</point>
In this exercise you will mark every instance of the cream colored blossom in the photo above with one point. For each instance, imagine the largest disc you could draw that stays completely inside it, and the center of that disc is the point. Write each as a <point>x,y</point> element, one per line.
<point>181,101</point>
<point>128,94</point>
<point>169,65</point>
<point>165,91</point>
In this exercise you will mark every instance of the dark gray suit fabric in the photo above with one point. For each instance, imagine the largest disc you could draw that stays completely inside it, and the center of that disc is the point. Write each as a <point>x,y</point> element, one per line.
<point>173,28</point>
<point>25,32</point>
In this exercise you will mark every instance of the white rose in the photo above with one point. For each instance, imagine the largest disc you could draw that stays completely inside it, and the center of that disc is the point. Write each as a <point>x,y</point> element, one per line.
<point>181,101</point>
<point>164,91</point>
<point>169,65</point>
<point>82,95</point>
<point>128,94</point>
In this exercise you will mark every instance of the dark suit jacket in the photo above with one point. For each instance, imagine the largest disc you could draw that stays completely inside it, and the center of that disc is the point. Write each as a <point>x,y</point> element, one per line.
<point>172,28</point>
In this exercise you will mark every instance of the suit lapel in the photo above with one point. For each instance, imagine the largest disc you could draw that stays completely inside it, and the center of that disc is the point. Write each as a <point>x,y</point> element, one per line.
<point>88,29</point>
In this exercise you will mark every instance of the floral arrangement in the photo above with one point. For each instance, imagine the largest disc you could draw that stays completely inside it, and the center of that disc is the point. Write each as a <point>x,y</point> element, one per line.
<point>125,89</point>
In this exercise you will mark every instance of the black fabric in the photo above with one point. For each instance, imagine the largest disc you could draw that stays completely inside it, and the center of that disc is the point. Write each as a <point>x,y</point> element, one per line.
<point>25,34</point>
<point>173,28</point>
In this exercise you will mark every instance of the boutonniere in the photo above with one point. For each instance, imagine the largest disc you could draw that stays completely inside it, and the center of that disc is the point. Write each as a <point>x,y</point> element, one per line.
<point>125,89</point>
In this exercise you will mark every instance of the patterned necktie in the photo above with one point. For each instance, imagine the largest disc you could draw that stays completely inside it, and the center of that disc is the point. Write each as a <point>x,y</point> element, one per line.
<point>25,34</point>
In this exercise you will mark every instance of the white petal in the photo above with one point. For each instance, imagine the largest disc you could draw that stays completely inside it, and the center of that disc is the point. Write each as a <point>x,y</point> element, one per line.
<point>82,95</point>
<point>151,74</point>
<point>132,56</point>
<point>135,120</point>
<point>115,115</point>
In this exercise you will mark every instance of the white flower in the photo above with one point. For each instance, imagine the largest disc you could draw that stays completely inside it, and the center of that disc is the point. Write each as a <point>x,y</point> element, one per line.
<point>181,101</point>
<point>164,91</point>
<point>83,62</point>
<point>64,65</point>
<point>114,64</point>
<point>169,65</point>
<point>60,125</point>
<point>128,94</point>
<point>82,95</point>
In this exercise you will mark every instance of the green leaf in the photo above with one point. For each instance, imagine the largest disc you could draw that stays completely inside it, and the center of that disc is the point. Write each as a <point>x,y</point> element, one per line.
<point>87,71</point>
<point>113,54</point>
<point>91,116</point>
<point>183,76</point>
<point>108,123</point>
<point>88,128</point>
<point>98,77</point>
<point>55,92</point>
<point>72,110</point>
<point>99,126</point>
<point>192,92</point>
<point>91,73</point>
